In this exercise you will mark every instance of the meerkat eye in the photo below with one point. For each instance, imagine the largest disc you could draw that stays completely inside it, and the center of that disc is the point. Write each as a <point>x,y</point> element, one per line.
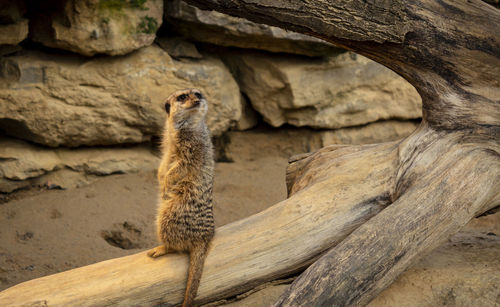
<point>181,97</point>
<point>198,95</point>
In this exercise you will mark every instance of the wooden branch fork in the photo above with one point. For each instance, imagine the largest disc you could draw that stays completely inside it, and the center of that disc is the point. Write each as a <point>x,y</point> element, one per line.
<point>356,216</point>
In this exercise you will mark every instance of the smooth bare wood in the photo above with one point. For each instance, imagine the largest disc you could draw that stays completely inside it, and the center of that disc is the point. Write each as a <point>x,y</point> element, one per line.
<point>284,239</point>
<point>462,182</point>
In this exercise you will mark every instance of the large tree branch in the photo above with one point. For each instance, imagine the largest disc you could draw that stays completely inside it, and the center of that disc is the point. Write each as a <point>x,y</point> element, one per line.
<point>429,207</point>
<point>370,21</point>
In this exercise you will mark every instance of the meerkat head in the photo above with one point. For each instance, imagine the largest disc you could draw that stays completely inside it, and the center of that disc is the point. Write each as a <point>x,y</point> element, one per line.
<point>186,107</point>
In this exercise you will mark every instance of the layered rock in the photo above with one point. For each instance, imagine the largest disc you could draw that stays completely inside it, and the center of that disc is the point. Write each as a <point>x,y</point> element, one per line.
<point>70,100</point>
<point>289,141</point>
<point>23,164</point>
<point>96,26</point>
<point>13,27</point>
<point>378,132</point>
<point>249,118</point>
<point>334,92</point>
<point>224,30</point>
<point>179,48</point>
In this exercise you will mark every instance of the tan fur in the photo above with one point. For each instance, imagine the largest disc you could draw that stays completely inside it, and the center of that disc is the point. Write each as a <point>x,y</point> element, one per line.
<point>185,215</point>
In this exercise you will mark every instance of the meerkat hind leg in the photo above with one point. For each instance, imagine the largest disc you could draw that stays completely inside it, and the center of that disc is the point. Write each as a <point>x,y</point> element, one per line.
<point>158,251</point>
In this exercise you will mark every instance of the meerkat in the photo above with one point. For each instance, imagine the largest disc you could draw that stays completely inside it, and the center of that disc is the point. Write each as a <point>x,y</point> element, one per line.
<point>185,220</point>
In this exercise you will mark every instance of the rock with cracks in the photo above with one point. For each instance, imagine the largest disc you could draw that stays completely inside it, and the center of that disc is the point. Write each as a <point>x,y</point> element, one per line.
<point>333,92</point>
<point>224,30</point>
<point>23,164</point>
<point>73,101</point>
<point>94,27</point>
<point>13,27</point>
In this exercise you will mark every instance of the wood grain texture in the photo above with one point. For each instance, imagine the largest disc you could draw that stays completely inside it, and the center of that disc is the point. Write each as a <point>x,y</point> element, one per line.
<point>371,21</point>
<point>450,181</point>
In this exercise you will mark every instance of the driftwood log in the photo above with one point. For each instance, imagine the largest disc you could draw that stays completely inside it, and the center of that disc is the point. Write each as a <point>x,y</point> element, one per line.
<point>277,242</point>
<point>360,214</point>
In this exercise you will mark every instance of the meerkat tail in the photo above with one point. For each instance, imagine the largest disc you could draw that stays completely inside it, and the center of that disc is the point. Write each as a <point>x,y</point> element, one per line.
<point>196,262</point>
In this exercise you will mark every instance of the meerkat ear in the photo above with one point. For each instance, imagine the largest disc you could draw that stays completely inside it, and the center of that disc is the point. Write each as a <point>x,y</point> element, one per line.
<point>167,107</point>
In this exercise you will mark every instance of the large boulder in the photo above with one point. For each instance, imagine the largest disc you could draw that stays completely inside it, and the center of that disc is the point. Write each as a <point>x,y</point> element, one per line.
<point>96,26</point>
<point>23,164</point>
<point>224,30</point>
<point>13,27</point>
<point>70,100</point>
<point>333,92</point>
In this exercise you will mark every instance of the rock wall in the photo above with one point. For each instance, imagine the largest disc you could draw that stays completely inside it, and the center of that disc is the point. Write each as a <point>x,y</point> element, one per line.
<point>70,100</point>
<point>13,26</point>
<point>88,74</point>
<point>330,92</point>
<point>96,26</point>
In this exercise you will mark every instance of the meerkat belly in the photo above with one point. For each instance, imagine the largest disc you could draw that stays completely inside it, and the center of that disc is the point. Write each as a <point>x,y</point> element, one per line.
<point>187,215</point>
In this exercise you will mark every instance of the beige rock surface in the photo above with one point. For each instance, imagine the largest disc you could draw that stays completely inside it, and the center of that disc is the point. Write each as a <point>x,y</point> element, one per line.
<point>249,118</point>
<point>13,27</point>
<point>341,91</point>
<point>93,26</point>
<point>261,298</point>
<point>23,164</point>
<point>15,33</point>
<point>69,100</point>
<point>224,30</point>
<point>378,132</point>
<point>178,47</point>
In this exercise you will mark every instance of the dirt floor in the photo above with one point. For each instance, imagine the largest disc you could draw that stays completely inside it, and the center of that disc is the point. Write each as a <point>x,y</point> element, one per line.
<point>48,231</point>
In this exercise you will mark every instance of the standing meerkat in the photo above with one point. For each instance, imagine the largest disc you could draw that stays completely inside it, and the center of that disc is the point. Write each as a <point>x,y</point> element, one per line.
<point>185,220</point>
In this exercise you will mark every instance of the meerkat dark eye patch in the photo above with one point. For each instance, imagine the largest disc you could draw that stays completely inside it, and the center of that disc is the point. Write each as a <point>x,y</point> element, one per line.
<point>167,107</point>
<point>181,97</point>
<point>198,95</point>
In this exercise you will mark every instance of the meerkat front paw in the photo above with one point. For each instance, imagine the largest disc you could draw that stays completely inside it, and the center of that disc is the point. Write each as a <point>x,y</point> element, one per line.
<point>157,251</point>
